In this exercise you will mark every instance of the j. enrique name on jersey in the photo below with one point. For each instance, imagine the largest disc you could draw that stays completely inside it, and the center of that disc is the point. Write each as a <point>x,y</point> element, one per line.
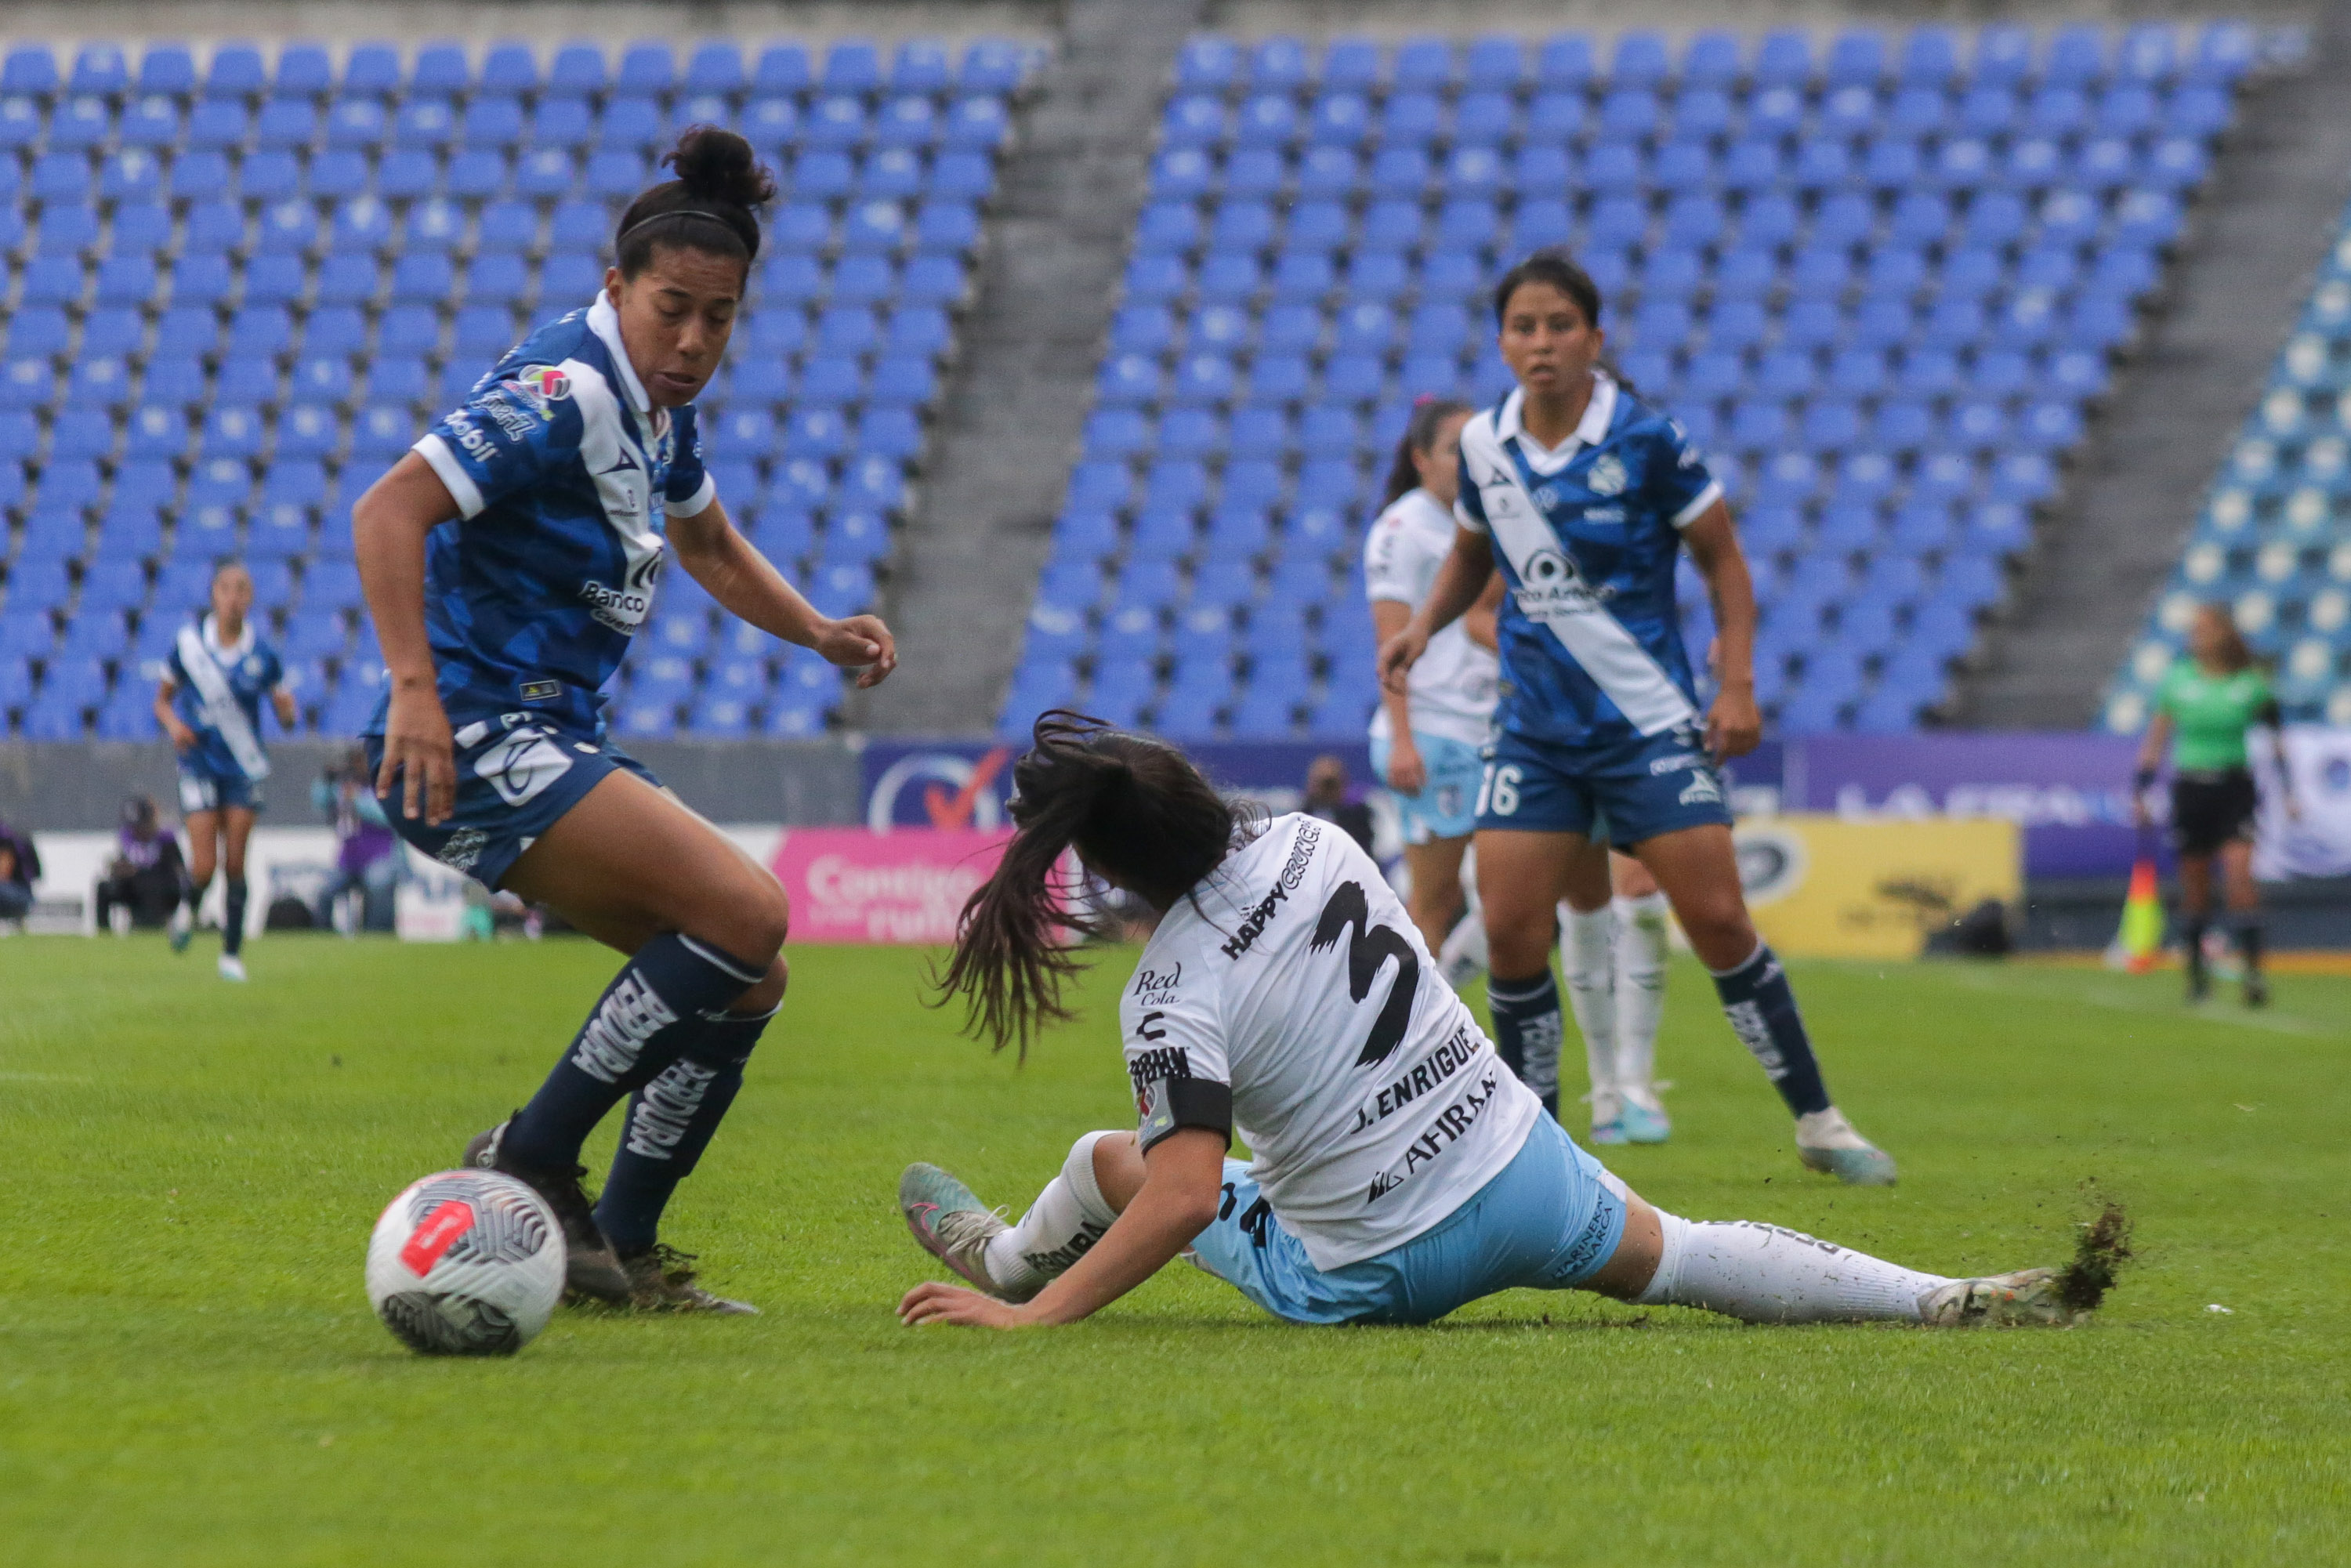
<point>1425,1077</point>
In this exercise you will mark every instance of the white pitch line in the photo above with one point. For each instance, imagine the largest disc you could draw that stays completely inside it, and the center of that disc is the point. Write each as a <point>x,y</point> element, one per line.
<point>2125,1001</point>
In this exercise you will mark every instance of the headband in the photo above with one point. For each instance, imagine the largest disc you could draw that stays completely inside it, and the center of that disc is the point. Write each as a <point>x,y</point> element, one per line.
<point>690,213</point>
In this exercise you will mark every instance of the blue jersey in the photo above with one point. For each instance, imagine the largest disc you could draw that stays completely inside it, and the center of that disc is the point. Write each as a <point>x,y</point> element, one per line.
<point>1586,536</point>
<point>216,690</point>
<point>564,474</point>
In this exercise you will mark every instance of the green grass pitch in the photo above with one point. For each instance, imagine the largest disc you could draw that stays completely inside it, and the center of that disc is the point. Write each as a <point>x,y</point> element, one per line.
<point>189,1372</point>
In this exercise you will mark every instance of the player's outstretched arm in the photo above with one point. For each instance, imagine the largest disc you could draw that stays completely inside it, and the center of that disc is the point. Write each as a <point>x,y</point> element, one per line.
<point>388,529</point>
<point>716,554</point>
<point>1459,582</point>
<point>1182,1185</point>
<point>1734,727</point>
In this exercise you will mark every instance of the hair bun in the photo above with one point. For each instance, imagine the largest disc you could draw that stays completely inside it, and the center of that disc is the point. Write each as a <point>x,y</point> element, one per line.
<point>717,165</point>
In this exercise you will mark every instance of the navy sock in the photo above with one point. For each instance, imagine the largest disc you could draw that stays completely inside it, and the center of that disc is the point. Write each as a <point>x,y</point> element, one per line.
<point>670,1123</point>
<point>232,921</point>
<point>633,1033</point>
<point>1527,1031</point>
<point>2191,947</point>
<point>2249,941</point>
<point>1762,1007</point>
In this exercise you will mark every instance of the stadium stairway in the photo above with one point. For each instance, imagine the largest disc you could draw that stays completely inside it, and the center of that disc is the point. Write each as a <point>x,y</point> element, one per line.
<point>2145,481</point>
<point>966,561</point>
<point>1881,277</point>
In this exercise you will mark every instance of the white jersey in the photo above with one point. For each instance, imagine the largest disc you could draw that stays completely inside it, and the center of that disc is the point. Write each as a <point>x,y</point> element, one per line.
<point>1290,992</point>
<point>1452,689</point>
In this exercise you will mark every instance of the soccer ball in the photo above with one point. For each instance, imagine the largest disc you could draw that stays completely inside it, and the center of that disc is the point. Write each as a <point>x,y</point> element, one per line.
<point>465,1263</point>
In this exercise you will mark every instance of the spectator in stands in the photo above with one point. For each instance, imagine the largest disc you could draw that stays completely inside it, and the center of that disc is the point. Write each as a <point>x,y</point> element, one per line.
<point>1326,797</point>
<point>2203,709</point>
<point>20,867</point>
<point>147,880</point>
<point>367,860</point>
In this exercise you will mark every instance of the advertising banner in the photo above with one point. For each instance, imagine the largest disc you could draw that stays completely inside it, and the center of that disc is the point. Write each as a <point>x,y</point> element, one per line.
<point>2315,839</point>
<point>1824,887</point>
<point>955,784</point>
<point>850,885</point>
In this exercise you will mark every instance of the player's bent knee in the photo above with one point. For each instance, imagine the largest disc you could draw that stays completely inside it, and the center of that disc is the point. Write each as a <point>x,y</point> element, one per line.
<point>768,993</point>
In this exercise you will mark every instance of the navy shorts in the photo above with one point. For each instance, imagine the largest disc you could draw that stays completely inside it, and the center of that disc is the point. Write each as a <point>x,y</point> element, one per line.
<point>1625,792</point>
<point>202,788</point>
<point>517,773</point>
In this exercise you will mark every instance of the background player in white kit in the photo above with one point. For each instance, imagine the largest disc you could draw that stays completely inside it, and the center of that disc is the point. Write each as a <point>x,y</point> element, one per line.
<point>1427,738</point>
<point>1399,1169</point>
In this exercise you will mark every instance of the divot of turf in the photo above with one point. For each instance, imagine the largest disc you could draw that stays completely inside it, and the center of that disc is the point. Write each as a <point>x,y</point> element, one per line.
<point>2100,1250</point>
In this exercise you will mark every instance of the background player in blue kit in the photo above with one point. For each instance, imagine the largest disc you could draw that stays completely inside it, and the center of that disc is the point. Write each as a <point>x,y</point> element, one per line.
<point>507,561</point>
<point>1584,496</point>
<point>209,703</point>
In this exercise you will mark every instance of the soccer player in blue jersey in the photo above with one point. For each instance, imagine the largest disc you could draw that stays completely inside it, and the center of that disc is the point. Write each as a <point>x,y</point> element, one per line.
<point>1584,496</point>
<point>508,560</point>
<point>209,703</point>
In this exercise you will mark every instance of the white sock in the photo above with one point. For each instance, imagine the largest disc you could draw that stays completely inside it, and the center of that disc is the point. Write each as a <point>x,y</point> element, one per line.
<point>1068,1217</point>
<point>1762,1274</point>
<point>1640,994</point>
<point>1586,955</point>
<point>1463,957</point>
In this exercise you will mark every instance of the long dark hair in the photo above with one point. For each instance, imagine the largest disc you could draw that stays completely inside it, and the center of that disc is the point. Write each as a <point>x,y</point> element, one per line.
<point>1135,810</point>
<point>1428,417</point>
<point>2235,653</point>
<point>712,206</point>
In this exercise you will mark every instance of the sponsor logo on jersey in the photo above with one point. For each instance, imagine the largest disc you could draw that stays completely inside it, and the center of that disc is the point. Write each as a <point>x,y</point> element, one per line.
<point>1604,515</point>
<point>622,609</point>
<point>1146,1068</point>
<point>1606,476</point>
<point>1155,988</point>
<point>1551,583</point>
<point>1451,1123</point>
<point>1293,871</point>
<point>1701,789</point>
<point>1430,1072</point>
<point>512,418</point>
<point>475,445</point>
<point>543,384</point>
<point>1675,762</point>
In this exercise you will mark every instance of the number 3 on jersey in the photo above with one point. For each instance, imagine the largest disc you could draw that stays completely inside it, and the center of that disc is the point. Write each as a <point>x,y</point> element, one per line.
<point>1500,788</point>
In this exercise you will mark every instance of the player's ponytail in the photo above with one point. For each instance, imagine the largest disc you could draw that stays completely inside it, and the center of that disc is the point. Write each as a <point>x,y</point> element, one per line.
<point>1135,811</point>
<point>1428,417</point>
<point>713,204</point>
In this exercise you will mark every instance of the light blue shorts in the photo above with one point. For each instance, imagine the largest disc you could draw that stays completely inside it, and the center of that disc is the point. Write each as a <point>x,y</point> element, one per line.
<point>1545,1223</point>
<point>1446,807</point>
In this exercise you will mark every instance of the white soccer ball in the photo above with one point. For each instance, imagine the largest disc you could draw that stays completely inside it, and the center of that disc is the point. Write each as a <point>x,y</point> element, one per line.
<point>467,1263</point>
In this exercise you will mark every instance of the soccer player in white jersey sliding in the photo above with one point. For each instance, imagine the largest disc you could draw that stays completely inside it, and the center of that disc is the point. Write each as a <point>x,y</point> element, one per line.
<point>1584,496</point>
<point>1399,1169</point>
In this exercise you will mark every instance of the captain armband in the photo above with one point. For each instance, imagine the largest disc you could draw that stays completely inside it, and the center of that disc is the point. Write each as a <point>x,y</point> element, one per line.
<point>1164,1104</point>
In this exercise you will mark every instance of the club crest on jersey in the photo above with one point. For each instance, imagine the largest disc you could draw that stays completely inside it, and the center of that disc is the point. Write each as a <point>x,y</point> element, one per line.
<point>1606,476</point>
<point>543,384</point>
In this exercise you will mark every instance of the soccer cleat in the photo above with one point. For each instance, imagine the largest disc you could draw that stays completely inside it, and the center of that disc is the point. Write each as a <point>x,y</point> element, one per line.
<point>2027,1299</point>
<point>1642,1124</point>
<point>1826,1142</point>
<point>953,1226</point>
<point>231,968</point>
<point>182,927</point>
<point>590,1267</point>
<point>661,1280</point>
<point>1610,1134</point>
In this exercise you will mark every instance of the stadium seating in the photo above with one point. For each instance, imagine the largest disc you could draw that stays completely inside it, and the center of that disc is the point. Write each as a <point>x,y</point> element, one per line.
<point>1882,279</point>
<point>2272,541</point>
<point>238,286</point>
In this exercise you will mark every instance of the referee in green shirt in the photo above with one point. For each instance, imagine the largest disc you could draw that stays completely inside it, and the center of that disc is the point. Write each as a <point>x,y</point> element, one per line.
<point>2206,705</point>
